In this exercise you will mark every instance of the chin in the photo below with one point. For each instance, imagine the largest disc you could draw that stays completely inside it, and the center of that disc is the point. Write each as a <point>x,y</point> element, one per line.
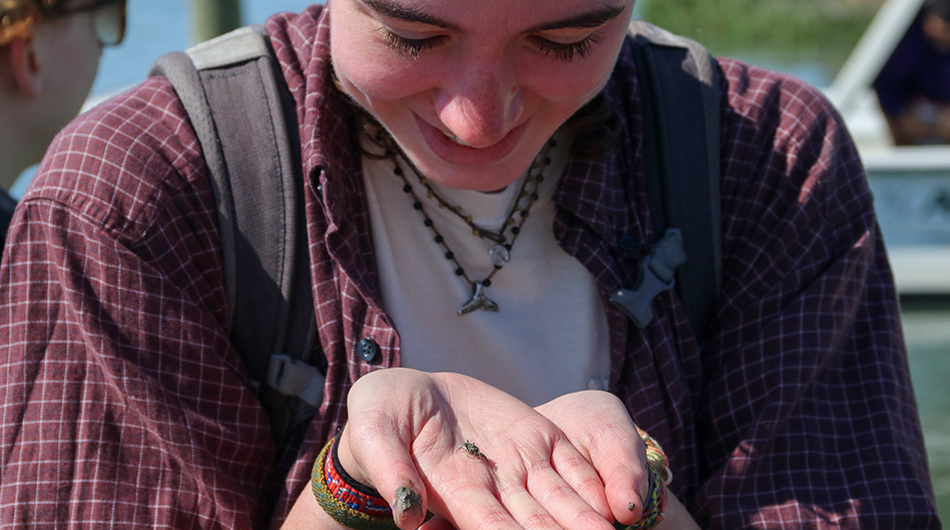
<point>476,179</point>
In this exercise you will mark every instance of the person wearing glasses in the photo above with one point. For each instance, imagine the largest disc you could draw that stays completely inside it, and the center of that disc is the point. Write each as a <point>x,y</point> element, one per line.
<point>432,132</point>
<point>49,55</point>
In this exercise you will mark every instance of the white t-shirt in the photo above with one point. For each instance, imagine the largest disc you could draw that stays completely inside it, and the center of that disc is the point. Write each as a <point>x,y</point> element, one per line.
<point>550,335</point>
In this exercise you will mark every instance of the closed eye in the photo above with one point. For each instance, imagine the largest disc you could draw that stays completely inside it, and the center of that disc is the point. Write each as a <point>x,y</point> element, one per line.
<point>413,47</point>
<point>565,51</point>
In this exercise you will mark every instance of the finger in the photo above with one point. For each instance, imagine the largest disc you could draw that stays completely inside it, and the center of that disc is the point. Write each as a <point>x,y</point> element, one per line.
<point>599,427</point>
<point>383,462</point>
<point>582,478</point>
<point>473,506</point>
<point>526,509</point>
<point>621,461</point>
<point>549,495</point>
<point>462,490</point>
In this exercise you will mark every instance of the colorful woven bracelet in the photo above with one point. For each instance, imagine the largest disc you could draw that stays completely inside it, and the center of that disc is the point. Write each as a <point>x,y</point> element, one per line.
<point>656,458</point>
<point>348,502</point>
<point>654,505</point>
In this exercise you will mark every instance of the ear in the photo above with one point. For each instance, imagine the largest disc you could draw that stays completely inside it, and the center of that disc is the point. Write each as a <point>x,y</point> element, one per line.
<point>24,66</point>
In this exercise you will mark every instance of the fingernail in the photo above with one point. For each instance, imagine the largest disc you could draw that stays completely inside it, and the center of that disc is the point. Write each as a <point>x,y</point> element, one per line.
<point>407,504</point>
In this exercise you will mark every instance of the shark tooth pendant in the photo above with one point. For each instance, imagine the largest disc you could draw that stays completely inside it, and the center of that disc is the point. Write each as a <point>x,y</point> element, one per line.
<point>479,301</point>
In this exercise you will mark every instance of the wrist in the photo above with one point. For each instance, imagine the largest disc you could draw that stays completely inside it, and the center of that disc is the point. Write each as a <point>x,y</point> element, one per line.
<point>357,505</point>
<point>350,503</point>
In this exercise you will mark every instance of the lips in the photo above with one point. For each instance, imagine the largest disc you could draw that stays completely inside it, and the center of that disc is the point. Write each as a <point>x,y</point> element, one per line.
<point>451,150</point>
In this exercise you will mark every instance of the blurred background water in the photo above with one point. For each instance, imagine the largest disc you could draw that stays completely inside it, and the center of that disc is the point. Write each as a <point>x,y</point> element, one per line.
<point>159,26</point>
<point>806,38</point>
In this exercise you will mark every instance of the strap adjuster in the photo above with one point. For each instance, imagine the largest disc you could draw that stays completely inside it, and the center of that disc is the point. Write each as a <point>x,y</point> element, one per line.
<point>293,377</point>
<point>656,274</point>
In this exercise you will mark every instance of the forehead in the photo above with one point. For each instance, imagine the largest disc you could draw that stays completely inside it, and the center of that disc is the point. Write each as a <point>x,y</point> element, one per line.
<point>513,16</point>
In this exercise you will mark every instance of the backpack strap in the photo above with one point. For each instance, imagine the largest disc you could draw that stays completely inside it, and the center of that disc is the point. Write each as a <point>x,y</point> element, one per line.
<point>679,80</point>
<point>245,119</point>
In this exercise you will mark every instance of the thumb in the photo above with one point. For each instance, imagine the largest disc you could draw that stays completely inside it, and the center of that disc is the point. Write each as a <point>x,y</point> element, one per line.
<point>382,464</point>
<point>622,465</point>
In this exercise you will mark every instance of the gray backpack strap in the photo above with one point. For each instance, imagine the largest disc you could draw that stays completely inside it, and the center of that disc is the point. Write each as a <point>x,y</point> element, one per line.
<point>679,80</point>
<point>245,119</point>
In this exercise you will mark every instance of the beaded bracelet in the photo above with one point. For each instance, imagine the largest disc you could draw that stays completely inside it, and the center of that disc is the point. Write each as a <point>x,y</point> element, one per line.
<point>656,458</point>
<point>348,502</point>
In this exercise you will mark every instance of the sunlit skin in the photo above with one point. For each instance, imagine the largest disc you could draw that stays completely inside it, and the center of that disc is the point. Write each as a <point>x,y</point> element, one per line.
<point>472,90</point>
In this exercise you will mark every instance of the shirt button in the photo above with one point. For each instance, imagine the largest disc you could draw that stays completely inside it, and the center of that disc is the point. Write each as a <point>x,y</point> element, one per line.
<point>627,243</point>
<point>368,349</point>
<point>315,175</point>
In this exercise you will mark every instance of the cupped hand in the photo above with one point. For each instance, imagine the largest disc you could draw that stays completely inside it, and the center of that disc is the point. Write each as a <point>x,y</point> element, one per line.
<point>599,427</point>
<point>477,457</point>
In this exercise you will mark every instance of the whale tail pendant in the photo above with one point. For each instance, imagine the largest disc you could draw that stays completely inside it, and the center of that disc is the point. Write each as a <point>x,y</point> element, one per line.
<point>479,301</point>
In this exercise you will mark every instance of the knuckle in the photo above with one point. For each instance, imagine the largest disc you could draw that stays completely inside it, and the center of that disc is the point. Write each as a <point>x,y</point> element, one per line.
<point>587,519</point>
<point>509,488</point>
<point>574,465</point>
<point>558,494</point>
<point>589,485</point>
<point>539,520</point>
<point>494,520</point>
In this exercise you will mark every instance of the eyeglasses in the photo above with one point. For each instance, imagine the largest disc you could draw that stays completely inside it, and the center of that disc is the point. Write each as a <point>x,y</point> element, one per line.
<point>108,18</point>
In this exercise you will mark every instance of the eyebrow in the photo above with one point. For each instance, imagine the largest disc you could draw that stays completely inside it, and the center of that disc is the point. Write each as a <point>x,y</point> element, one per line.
<point>592,19</point>
<point>408,14</point>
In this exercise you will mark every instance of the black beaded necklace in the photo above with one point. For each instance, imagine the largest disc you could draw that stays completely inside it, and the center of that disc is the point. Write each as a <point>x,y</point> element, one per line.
<point>500,253</point>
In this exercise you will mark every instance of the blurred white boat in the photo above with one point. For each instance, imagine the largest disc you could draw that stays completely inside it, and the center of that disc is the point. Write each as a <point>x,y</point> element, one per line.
<point>911,185</point>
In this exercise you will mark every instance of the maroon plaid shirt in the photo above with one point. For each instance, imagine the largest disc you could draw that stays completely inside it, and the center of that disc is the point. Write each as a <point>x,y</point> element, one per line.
<point>123,404</point>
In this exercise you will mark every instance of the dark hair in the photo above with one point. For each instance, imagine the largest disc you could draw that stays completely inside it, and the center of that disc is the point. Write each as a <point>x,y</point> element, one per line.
<point>940,8</point>
<point>598,130</point>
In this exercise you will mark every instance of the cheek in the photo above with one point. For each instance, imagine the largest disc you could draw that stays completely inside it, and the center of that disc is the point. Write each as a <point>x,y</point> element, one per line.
<point>371,72</point>
<point>570,84</point>
<point>69,62</point>
<point>568,89</point>
<point>377,82</point>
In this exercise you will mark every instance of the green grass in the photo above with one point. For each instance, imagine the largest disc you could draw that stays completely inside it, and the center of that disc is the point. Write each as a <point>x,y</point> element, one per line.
<point>821,29</point>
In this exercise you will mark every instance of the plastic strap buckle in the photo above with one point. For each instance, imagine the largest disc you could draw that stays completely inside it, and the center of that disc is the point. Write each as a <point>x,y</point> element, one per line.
<point>656,274</point>
<point>293,377</point>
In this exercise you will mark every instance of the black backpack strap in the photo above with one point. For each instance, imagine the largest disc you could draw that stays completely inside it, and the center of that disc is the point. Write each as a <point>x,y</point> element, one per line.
<point>679,80</point>
<point>245,119</point>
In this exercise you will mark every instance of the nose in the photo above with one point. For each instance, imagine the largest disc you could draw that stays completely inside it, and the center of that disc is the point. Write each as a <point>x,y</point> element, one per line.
<point>480,105</point>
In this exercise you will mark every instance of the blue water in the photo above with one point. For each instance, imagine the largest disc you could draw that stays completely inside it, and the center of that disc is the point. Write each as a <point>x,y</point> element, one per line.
<point>159,26</point>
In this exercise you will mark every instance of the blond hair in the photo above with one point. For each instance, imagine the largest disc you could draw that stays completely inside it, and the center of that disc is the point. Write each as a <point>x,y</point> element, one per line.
<point>17,17</point>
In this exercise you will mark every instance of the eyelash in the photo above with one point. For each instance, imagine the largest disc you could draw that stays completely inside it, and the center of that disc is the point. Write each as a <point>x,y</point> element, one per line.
<point>412,47</point>
<point>565,52</point>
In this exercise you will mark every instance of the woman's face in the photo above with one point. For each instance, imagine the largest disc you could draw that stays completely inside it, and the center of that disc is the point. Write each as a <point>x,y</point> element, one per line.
<point>471,90</point>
